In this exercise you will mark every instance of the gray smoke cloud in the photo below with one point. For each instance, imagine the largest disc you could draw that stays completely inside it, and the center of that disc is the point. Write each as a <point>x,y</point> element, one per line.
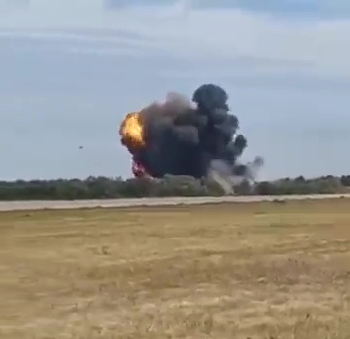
<point>195,138</point>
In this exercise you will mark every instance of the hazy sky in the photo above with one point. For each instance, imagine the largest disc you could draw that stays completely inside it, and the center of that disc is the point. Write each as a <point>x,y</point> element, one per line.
<point>71,69</point>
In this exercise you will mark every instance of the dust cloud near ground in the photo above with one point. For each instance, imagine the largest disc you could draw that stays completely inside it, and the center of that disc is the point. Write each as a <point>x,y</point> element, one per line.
<point>258,270</point>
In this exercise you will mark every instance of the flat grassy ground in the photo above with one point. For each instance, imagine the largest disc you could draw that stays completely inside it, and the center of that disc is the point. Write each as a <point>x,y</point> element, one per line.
<point>259,270</point>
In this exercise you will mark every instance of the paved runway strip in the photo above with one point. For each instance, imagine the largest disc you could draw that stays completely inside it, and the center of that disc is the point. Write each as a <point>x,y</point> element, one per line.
<point>110,203</point>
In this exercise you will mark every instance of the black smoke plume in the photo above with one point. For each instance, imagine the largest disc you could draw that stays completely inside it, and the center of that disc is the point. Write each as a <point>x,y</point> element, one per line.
<point>193,138</point>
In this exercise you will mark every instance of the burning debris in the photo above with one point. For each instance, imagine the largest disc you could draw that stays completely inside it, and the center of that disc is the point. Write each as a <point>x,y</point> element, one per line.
<point>180,137</point>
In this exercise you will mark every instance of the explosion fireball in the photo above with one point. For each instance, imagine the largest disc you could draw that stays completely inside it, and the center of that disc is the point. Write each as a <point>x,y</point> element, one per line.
<point>131,131</point>
<point>180,137</point>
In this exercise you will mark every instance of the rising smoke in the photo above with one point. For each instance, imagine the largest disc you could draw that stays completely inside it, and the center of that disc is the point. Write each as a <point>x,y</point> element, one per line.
<point>195,138</point>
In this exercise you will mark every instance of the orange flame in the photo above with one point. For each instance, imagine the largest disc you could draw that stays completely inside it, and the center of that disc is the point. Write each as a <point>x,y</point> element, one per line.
<point>131,130</point>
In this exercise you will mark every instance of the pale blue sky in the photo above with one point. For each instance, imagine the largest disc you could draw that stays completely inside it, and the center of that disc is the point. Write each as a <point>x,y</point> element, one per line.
<point>71,69</point>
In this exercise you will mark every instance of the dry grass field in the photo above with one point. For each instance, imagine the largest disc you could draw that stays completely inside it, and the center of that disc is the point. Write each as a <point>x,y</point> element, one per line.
<point>259,270</point>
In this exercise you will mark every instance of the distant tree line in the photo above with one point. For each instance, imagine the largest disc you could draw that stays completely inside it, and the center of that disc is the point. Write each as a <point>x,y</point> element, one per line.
<point>109,188</point>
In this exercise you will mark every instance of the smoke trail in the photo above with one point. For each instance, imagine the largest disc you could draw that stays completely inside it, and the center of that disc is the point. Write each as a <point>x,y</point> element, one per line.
<point>194,138</point>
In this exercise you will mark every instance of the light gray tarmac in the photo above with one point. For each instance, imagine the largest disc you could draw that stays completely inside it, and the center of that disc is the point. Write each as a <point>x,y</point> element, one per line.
<point>115,203</point>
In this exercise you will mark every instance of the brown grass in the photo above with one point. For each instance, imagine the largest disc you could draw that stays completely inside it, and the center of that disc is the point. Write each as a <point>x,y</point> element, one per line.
<point>267,270</point>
